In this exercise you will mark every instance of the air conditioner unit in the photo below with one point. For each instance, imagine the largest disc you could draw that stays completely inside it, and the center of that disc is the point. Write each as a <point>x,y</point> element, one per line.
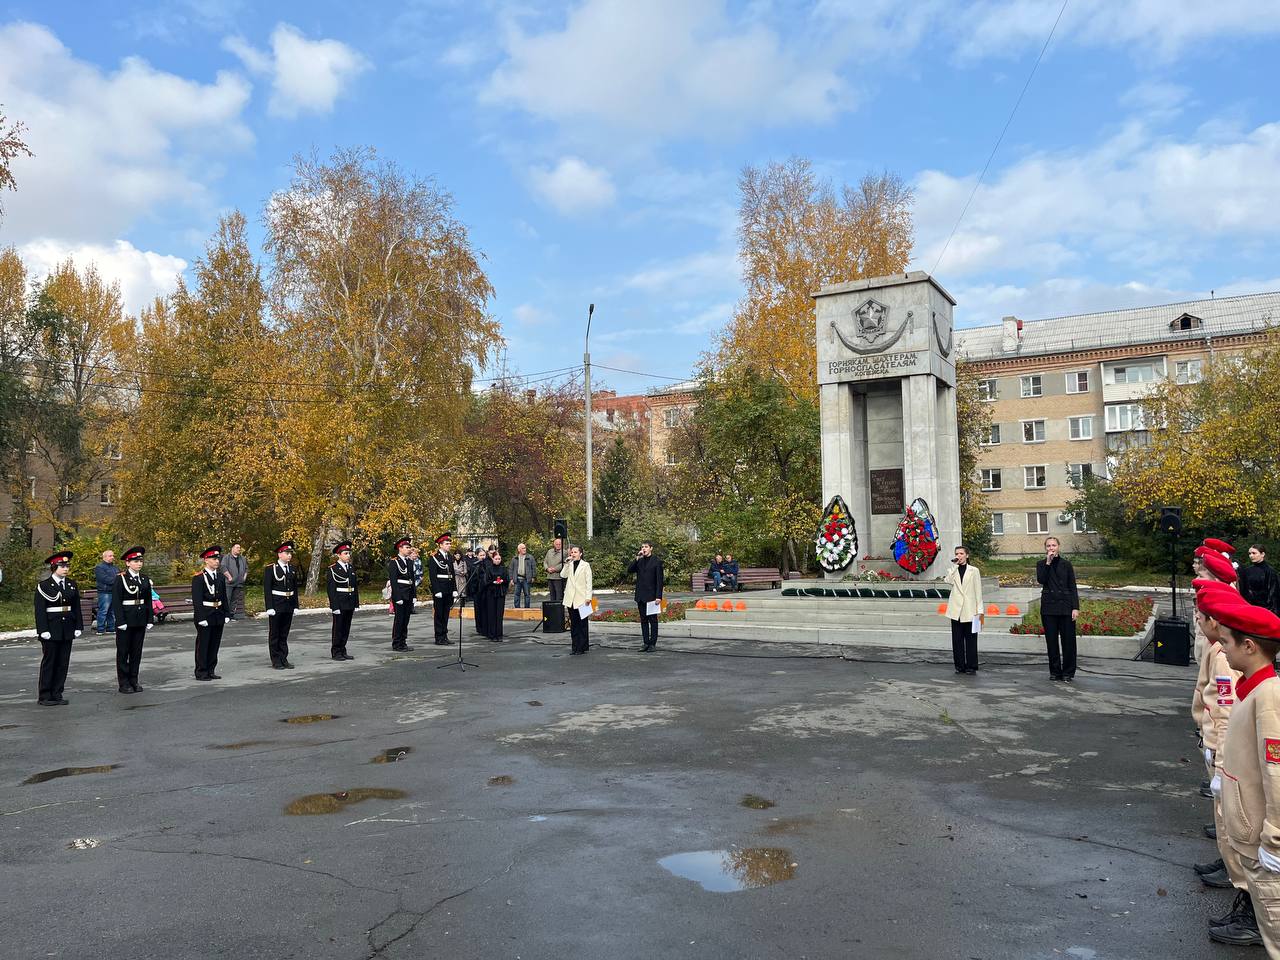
<point>1064,517</point>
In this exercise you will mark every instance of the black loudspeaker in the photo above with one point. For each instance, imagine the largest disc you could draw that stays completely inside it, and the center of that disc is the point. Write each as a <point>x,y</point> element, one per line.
<point>1171,520</point>
<point>552,617</point>
<point>560,528</point>
<point>1172,642</point>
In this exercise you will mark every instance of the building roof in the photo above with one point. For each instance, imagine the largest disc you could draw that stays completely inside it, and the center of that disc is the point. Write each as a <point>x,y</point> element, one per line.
<point>1220,317</point>
<point>684,386</point>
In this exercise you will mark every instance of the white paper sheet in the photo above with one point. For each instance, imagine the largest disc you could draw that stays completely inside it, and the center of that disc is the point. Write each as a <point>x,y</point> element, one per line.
<point>584,611</point>
<point>977,625</point>
<point>652,608</point>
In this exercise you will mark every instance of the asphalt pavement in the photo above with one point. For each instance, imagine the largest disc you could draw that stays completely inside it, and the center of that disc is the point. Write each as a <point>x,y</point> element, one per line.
<point>825,807</point>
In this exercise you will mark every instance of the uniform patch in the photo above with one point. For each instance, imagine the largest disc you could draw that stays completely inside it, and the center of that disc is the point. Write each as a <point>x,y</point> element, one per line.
<point>1224,686</point>
<point>1273,750</point>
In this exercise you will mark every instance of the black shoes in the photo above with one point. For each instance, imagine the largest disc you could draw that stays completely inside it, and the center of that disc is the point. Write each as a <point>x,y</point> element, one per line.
<point>404,648</point>
<point>1070,679</point>
<point>1241,926</point>
<point>1242,905</point>
<point>274,666</point>
<point>203,677</point>
<point>1218,879</point>
<point>1206,868</point>
<point>1206,790</point>
<point>1211,831</point>
<point>443,643</point>
<point>215,676</point>
<point>125,688</point>
<point>286,664</point>
<point>647,648</point>
<point>1055,676</point>
<point>47,703</point>
<point>137,688</point>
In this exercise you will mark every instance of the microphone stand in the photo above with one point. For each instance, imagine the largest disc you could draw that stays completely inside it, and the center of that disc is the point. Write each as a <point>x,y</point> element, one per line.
<point>462,605</point>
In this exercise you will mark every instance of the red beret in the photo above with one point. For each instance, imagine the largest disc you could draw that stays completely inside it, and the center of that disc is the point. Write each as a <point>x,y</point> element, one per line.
<point>1220,567</point>
<point>1241,616</point>
<point>1213,543</point>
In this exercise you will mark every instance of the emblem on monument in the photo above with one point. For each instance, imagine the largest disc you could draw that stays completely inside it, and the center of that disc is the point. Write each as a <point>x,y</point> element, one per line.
<point>872,319</point>
<point>871,333</point>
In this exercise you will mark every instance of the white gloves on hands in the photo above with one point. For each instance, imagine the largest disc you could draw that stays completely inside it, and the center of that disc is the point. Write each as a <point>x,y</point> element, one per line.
<point>399,601</point>
<point>439,594</point>
<point>1270,862</point>
<point>271,613</point>
<point>150,625</point>
<point>76,633</point>
<point>335,612</point>
<point>203,623</point>
<point>46,635</point>
<point>1208,757</point>
<point>1216,784</point>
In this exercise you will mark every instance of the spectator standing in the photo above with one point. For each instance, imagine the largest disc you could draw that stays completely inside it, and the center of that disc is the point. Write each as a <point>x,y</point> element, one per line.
<point>104,580</point>
<point>521,575</point>
<point>648,573</point>
<point>1059,609</point>
<point>416,557</point>
<point>716,572</point>
<point>964,607</point>
<point>1259,583</point>
<point>493,594</point>
<point>554,565</point>
<point>576,575</point>
<point>731,571</point>
<point>460,572</point>
<point>235,567</point>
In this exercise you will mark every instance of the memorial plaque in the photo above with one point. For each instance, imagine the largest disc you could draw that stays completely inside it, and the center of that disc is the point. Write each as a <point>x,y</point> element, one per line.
<point>888,492</point>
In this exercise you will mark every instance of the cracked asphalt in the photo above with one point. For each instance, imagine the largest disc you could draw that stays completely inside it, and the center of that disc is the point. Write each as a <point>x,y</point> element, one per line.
<point>926,815</point>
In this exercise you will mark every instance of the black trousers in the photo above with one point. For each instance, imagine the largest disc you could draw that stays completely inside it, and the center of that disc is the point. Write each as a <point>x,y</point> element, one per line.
<point>1060,640</point>
<point>648,625</point>
<point>235,596</point>
<point>494,608</point>
<point>481,614</point>
<point>278,635</point>
<point>339,632</point>
<point>578,631</point>
<point>128,653</point>
<point>556,586</point>
<point>55,658</point>
<point>400,624</point>
<point>964,645</point>
<point>441,607</point>
<point>208,640</point>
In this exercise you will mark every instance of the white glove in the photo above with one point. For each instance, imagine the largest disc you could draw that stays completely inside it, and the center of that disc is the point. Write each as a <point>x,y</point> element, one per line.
<point>150,625</point>
<point>1216,784</point>
<point>415,601</point>
<point>46,635</point>
<point>439,594</point>
<point>399,601</point>
<point>335,612</point>
<point>1208,757</point>
<point>271,613</point>
<point>1269,861</point>
<point>76,633</point>
<point>203,623</point>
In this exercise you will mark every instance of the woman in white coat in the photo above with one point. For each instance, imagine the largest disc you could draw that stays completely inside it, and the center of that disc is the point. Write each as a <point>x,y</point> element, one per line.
<point>964,607</point>
<point>576,574</point>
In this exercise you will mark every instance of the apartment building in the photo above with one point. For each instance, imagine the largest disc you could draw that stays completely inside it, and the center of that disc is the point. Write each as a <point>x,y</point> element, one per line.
<point>667,406</point>
<point>94,504</point>
<point>1066,393</point>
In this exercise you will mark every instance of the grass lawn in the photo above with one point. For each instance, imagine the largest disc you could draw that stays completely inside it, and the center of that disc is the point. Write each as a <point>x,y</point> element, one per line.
<point>1093,571</point>
<point>1098,618</point>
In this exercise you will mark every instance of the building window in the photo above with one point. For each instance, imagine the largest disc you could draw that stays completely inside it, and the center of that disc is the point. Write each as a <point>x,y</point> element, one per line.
<point>65,494</point>
<point>993,436</point>
<point>1187,371</point>
<point>1186,322</point>
<point>997,524</point>
<point>671,416</point>
<point>988,390</point>
<point>1032,386</point>
<point>1135,373</point>
<point>1037,523</point>
<point>1078,381</point>
<point>1080,523</point>
<point>1033,478</point>
<point>1033,431</point>
<point>1076,472</point>
<point>112,452</point>
<point>32,486</point>
<point>1125,416</point>
<point>990,480</point>
<point>1081,428</point>
<point>107,494</point>
<point>671,458</point>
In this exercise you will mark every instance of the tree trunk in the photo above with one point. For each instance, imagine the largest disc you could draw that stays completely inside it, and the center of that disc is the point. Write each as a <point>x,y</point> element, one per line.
<point>317,556</point>
<point>789,557</point>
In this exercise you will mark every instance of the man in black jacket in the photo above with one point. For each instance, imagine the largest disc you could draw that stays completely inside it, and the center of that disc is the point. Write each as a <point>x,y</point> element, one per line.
<point>131,609</point>
<point>209,610</point>
<point>404,594</point>
<point>344,598</point>
<point>1258,581</point>
<point>280,597</point>
<point>439,575</point>
<point>59,620</point>
<point>1059,608</point>
<point>648,572</point>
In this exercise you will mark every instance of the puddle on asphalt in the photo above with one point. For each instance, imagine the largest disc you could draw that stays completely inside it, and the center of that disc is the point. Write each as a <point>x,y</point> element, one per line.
<point>754,802</point>
<point>532,703</point>
<point>321,803</point>
<point>538,818</point>
<point>392,755</point>
<point>68,772</point>
<point>740,868</point>
<point>241,745</point>
<point>143,706</point>
<point>505,780</point>
<point>83,843</point>
<point>311,718</point>
<point>779,828</point>
<point>11,726</point>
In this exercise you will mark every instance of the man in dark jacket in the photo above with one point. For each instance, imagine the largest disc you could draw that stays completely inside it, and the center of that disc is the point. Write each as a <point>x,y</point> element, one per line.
<point>59,621</point>
<point>104,580</point>
<point>209,606</point>
<point>404,594</point>
<point>344,597</point>
<point>1259,583</point>
<point>280,597</point>
<point>131,606</point>
<point>1059,608</point>
<point>443,586</point>
<point>648,573</point>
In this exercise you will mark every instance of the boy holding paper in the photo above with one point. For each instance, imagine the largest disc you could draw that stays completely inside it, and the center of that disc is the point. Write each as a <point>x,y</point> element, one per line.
<point>648,572</point>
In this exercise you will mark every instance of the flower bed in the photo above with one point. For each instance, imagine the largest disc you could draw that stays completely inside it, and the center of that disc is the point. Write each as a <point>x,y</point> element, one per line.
<point>675,611</point>
<point>870,570</point>
<point>1098,618</point>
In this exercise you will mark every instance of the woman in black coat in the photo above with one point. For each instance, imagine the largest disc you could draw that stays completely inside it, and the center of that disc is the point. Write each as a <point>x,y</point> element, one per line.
<point>1059,608</point>
<point>492,595</point>
<point>648,573</point>
<point>1258,581</point>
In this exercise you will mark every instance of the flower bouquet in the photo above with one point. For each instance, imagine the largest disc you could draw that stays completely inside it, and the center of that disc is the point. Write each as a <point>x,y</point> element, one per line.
<point>915,546</point>
<point>836,542</point>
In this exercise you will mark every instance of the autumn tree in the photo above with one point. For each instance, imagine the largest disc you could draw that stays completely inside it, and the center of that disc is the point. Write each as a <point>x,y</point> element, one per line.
<point>795,234</point>
<point>12,146</point>
<point>973,421</point>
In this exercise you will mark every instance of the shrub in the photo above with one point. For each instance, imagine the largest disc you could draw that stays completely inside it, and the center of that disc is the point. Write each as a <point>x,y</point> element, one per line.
<point>675,611</point>
<point>1098,618</point>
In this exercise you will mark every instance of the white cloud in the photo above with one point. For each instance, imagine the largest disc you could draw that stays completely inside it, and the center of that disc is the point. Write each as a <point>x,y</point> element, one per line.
<point>573,187</point>
<point>663,67</point>
<point>111,147</point>
<point>710,271</point>
<point>143,275</point>
<point>1134,199</point>
<point>307,76</point>
<point>527,315</point>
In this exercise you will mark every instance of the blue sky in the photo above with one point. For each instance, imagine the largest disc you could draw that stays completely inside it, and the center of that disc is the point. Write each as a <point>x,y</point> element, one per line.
<point>593,147</point>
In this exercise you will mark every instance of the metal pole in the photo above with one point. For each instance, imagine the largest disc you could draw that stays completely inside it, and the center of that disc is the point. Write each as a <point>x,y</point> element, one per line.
<point>586,368</point>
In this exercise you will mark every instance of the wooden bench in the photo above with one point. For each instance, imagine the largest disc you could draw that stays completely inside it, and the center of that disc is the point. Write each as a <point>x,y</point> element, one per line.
<point>175,596</point>
<point>767,577</point>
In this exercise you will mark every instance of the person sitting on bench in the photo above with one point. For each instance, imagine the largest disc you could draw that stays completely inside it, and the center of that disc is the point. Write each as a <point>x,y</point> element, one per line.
<point>715,573</point>
<point>729,576</point>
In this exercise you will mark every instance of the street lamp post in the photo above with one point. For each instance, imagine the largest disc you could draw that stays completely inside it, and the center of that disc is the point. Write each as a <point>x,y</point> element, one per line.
<point>586,369</point>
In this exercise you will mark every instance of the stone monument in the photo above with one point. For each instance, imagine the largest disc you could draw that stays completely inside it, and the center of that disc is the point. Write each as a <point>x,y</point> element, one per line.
<point>886,376</point>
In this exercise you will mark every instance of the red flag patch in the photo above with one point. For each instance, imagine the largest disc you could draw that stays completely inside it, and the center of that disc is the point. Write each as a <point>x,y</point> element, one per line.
<point>1273,750</point>
<point>1224,686</point>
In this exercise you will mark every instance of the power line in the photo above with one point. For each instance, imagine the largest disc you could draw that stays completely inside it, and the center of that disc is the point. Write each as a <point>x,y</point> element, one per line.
<point>641,373</point>
<point>973,193</point>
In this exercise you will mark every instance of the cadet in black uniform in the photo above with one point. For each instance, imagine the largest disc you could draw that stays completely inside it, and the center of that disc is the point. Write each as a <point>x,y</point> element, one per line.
<point>404,594</point>
<point>443,586</point>
<point>344,598</point>
<point>209,606</point>
<point>280,595</point>
<point>131,608</point>
<point>59,620</point>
